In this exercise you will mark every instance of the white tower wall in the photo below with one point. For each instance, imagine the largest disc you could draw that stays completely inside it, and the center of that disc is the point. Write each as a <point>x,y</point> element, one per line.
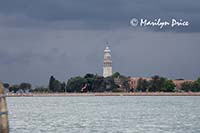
<point>107,63</point>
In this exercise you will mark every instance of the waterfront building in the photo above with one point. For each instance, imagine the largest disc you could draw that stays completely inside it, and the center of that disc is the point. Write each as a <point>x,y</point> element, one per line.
<point>133,82</point>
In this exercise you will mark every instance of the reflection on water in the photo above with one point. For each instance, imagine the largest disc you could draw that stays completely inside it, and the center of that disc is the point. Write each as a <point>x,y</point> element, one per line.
<point>117,114</point>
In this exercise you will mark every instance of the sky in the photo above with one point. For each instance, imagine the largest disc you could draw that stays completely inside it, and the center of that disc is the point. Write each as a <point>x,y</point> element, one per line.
<point>66,38</point>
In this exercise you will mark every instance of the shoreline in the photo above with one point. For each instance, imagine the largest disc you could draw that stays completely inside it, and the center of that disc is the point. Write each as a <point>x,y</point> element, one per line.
<point>104,94</point>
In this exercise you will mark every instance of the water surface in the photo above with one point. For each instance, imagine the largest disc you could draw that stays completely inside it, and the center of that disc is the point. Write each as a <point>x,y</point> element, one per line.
<point>104,114</point>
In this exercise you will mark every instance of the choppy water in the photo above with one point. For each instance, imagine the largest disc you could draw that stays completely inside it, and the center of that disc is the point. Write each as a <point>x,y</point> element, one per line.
<point>120,114</point>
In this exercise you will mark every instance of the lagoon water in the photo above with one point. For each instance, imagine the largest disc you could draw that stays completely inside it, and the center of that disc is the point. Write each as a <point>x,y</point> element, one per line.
<point>108,114</point>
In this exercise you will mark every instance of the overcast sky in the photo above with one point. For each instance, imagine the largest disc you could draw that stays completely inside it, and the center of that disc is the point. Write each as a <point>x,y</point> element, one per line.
<point>66,38</point>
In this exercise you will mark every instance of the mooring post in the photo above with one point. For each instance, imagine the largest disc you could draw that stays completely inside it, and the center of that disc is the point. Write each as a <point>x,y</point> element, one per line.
<point>4,126</point>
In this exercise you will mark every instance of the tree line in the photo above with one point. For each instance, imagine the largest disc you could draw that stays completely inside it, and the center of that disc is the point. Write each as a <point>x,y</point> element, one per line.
<point>87,83</point>
<point>115,83</point>
<point>21,88</point>
<point>156,84</point>
<point>162,84</point>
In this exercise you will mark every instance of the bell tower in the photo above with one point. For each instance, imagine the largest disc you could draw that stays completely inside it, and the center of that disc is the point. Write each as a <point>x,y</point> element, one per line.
<point>107,63</point>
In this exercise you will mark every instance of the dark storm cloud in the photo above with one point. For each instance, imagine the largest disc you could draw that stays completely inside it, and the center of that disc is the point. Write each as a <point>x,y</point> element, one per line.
<point>65,38</point>
<point>95,14</point>
<point>34,55</point>
<point>24,58</point>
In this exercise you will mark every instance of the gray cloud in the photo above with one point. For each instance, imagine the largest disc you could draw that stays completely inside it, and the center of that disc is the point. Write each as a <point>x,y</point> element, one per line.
<point>34,55</point>
<point>93,14</point>
<point>41,38</point>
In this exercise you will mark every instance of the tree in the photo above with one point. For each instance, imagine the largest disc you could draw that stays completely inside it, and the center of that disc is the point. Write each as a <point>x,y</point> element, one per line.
<point>191,86</point>
<point>25,86</point>
<point>186,86</point>
<point>55,85</point>
<point>91,83</point>
<point>122,83</point>
<point>99,84</point>
<point>116,75</point>
<point>169,86</point>
<point>143,85</point>
<point>41,89</point>
<point>196,85</point>
<point>89,75</point>
<point>157,83</point>
<point>51,80</point>
<point>110,84</point>
<point>14,88</point>
<point>75,84</point>
<point>125,84</point>
<point>6,85</point>
<point>63,87</point>
<point>90,79</point>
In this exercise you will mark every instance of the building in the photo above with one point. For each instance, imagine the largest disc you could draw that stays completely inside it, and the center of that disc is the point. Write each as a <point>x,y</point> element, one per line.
<point>133,82</point>
<point>179,82</point>
<point>107,63</point>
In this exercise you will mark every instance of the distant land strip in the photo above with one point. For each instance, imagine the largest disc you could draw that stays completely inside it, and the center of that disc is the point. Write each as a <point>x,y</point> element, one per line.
<point>105,94</point>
